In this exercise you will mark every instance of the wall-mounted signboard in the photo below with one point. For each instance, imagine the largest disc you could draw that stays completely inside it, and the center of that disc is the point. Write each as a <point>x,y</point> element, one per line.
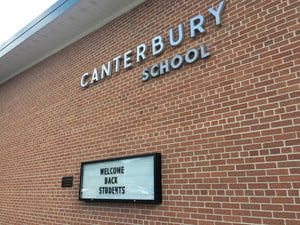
<point>130,179</point>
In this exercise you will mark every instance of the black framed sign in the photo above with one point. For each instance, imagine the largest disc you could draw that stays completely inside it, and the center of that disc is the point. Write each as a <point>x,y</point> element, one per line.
<point>128,179</point>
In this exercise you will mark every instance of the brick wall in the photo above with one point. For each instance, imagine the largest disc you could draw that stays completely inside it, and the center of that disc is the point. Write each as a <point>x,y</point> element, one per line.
<point>227,126</point>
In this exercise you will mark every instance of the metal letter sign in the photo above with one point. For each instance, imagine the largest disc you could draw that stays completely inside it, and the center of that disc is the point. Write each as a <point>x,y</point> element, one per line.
<point>129,179</point>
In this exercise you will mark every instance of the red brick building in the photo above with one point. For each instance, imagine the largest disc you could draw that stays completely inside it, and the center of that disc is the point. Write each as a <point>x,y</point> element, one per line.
<point>220,102</point>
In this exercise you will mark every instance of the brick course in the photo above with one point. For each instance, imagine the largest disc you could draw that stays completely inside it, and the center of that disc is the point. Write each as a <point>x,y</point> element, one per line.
<point>227,126</point>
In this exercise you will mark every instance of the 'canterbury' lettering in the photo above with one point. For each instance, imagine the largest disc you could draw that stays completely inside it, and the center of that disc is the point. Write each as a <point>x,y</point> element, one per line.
<point>158,44</point>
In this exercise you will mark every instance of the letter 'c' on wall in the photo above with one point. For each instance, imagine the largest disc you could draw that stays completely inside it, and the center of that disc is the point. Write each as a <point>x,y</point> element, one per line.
<point>83,81</point>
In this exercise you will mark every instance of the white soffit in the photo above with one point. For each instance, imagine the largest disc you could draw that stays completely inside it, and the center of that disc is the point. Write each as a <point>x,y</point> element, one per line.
<point>61,25</point>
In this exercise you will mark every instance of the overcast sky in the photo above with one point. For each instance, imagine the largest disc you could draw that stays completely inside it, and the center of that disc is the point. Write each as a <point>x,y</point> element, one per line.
<point>15,14</point>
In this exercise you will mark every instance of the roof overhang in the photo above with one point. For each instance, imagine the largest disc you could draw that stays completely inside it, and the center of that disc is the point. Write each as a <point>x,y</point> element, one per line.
<point>61,25</point>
